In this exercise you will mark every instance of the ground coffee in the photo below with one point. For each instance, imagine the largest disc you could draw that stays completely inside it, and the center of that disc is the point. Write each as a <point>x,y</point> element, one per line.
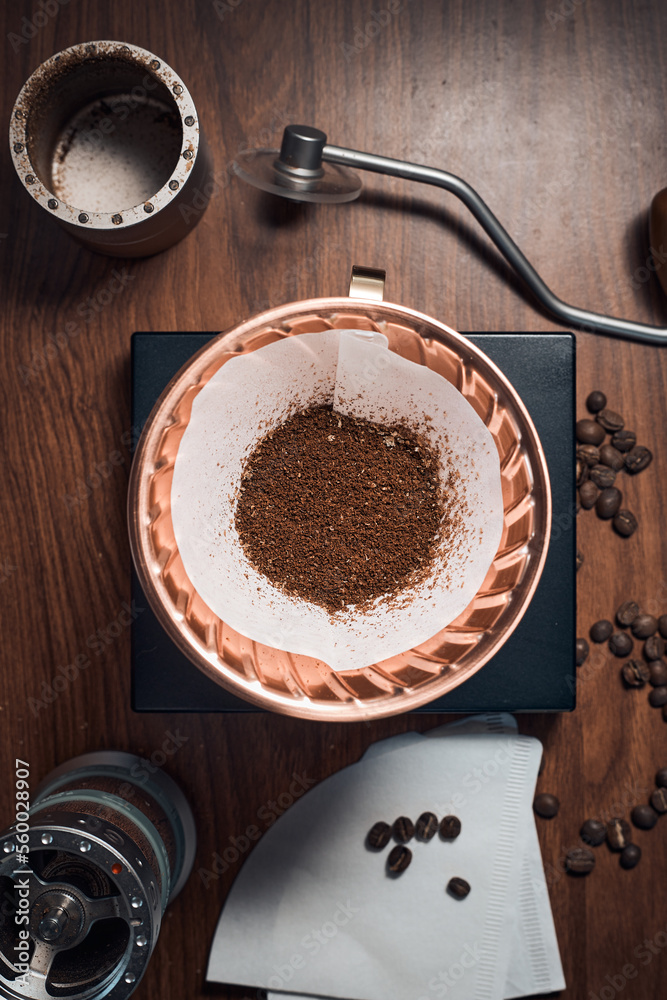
<point>340,511</point>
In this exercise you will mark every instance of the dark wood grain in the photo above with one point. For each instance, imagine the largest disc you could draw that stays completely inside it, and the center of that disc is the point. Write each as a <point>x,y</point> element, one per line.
<point>560,124</point>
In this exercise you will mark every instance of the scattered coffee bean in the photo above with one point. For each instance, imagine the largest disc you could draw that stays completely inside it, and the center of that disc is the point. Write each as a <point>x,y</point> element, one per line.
<point>635,673</point>
<point>426,826</point>
<point>579,861</point>
<point>600,631</point>
<point>581,472</point>
<point>620,644</point>
<point>579,560</point>
<point>625,523</point>
<point>602,476</point>
<point>661,778</point>
<point>644,817</point>
<point>596,401</point>
<point>450,827</point>
<point>654,647</point>
<point>580,651</point>
<point>627,613</point>
<point>593,832</point>
<point>458,887</point>
<point>589,432</point>
<point>624,441</point>
<point>546,805</point>
<point>378,835</point>
<point>588,494</point>
<point>611,421</point>
<point>610,456</point>
<point>399,859</point>
<point>590,455</point>
<point>658,697</point>
<point>644,626</point>
<point>630,856</point>
<point>638,459</point>
<point>659,800</point>
<point>657,673</point>
<point>618,834</point>
<point>662,626</point>
<point>403,829</point>
<point>608,503</point>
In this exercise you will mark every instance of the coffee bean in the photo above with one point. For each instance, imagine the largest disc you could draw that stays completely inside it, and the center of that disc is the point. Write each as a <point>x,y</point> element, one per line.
<point>600,631</point>
<point>643,626</point>
<point>546,805</point>
<point>662,626</point>
<point>426,826</point>
<point>596,401</point>
<point>378,835</point>
<point>611,421</point>
<point>625,523</point>
<point>589,432</point>
<point>403,829</point>
<point>588,495</point>
<point>581,472</point>
<point>627,613</point>
<point>580,651</point>
<point>458,887</point>
<point>579,861</point>
<point>661,778</point>
<point>659,800</point>
<point>450,827</point>
<point>658,697</point>
<point>589,454</point>
<point>624,441</point>
<point>657,673</point>
<point>618,833</point>
<point>638,459</point>
<point>620,644</point>
<point>635,673</point>
<point>644,817</point>
<point>608,503</point>
<point>654,647</point>
<point>630,856</point>
<point>579,560</point>
<point>602,476</point>
<point>610,456</point>
<point>399,859</point>
<point>593,832</point>
<point>664,712</point>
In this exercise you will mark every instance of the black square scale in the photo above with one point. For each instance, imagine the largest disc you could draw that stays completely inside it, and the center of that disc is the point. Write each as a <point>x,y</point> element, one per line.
<point>534,670</point>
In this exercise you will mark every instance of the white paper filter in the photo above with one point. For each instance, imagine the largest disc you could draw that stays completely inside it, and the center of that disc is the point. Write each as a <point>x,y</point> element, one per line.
<point>313,912</point>
<point>254,393</point>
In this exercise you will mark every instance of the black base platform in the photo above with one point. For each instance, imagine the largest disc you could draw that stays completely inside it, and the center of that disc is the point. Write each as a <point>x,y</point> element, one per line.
<point>534,671</point>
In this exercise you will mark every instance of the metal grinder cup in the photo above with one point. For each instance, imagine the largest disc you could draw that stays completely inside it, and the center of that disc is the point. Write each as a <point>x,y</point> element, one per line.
<point>108,847</point>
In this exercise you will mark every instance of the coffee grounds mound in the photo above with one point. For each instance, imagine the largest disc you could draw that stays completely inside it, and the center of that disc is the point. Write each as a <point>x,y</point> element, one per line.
<point>339,511</point>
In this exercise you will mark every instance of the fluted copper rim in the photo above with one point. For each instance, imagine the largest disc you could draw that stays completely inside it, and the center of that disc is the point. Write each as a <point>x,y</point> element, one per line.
<point>299,685</point>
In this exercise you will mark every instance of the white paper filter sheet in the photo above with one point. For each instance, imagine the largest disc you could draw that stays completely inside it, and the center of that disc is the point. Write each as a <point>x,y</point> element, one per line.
<point>354,371</point>
<point>313,912</point>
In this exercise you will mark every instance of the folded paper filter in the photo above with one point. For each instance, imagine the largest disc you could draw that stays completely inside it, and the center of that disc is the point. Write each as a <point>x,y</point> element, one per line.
<point>313,912</point>
<point>356,373</point>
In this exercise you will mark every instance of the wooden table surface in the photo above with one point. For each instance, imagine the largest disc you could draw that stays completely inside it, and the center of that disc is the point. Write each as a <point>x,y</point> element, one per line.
<point>555,112</point>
